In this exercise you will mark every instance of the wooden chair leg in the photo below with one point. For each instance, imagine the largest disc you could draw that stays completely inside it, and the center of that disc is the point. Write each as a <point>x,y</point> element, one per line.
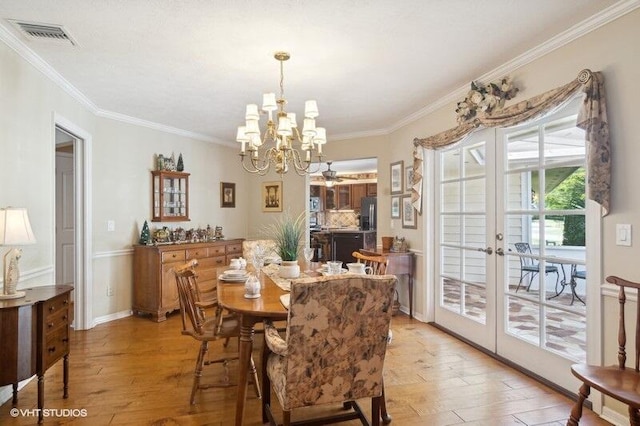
<point>286,418</point>
<point>386,417</point>
<point>204,347</point>
<point>375,411</point>
<point>576,411</point>
<point>256,382</point>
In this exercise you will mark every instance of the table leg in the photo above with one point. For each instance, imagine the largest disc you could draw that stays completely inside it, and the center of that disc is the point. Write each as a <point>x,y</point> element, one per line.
<point>246,345</point>
<point>65,376</point>
<point>40,398</point>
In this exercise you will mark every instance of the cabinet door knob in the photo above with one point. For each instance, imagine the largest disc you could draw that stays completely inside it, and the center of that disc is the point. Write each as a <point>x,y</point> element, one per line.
<point>50,324</point>
<point>52,349</point>
<point>52,308</point>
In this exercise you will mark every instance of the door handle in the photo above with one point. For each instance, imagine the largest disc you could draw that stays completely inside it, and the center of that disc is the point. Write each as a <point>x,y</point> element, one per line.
<point>499,251</point>
<point>488,250</point>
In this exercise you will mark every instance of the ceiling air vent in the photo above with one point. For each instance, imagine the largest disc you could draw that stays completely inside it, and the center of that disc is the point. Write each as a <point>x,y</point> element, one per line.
<point>48,32</point>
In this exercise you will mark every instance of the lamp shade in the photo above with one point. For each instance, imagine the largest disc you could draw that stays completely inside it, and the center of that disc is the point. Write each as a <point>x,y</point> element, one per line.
<point>15,228</point>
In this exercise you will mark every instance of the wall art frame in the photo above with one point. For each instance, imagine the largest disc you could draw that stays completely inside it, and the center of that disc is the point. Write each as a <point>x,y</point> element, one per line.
<point>272,196</point>
<point>395,207</point>
<point>409,213</point>
<point>227,194</point>
<point>396,174</point>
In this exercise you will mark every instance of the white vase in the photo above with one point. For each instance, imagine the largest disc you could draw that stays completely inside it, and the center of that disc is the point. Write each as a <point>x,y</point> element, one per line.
<point>289,269</point>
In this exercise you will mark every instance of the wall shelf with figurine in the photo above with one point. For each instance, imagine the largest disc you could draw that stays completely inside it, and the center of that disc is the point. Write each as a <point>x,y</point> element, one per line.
<point>170,197</point>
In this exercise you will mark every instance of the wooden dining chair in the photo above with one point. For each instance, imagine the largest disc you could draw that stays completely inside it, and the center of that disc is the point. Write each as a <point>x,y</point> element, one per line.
<point>334,348</point>
<point>618,381</point>
<point>377,263</point>
<point>205,330</point>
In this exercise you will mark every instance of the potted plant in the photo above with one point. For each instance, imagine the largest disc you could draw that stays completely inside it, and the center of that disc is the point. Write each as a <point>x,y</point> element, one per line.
<point>287,233</point>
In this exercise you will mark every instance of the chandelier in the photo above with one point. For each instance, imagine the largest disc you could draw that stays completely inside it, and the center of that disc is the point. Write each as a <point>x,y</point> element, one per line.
<point>276,145</point>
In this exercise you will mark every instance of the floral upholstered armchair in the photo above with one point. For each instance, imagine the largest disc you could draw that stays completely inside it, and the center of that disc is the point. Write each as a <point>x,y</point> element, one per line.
<point>335,345</point>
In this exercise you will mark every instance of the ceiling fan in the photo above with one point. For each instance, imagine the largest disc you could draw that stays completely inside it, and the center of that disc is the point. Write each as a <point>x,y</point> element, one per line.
<point>330,175</point>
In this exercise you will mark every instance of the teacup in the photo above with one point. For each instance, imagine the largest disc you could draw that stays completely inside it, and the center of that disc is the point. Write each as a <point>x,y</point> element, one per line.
<point>359,268</point>
<point>335,268</point>
<point>235,264</point>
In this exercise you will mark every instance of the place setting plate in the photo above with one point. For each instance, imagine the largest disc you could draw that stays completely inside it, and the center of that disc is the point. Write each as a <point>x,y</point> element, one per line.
<point>234,275</point>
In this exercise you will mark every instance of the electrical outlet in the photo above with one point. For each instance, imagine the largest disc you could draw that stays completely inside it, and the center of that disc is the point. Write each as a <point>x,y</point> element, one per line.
<point>109,291</point>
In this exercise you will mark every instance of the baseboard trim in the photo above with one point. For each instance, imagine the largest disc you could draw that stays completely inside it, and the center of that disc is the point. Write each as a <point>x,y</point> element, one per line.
<point>111,317</point>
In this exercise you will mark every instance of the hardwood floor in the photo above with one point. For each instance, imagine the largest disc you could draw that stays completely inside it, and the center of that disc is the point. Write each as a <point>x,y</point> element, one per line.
<point>135,372</point>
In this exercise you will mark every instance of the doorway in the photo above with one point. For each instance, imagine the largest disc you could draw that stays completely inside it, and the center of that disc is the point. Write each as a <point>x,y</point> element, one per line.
<point>72,236</point>
<point>511,237</point>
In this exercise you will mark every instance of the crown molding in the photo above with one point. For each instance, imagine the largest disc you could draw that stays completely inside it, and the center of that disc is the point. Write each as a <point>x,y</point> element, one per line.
<point>590,24</point>
<point>160,127</point>
<point>580,29</point>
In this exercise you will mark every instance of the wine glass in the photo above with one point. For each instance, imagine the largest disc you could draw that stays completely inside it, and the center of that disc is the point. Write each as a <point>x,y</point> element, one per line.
<point>258,258</point>
<point>308,255</point>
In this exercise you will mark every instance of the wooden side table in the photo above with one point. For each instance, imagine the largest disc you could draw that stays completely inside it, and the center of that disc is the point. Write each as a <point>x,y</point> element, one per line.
<point>34,331</point>
<point>399,264</point>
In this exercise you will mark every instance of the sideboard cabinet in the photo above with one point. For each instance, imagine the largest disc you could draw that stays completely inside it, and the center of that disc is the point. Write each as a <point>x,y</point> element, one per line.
<point>154,283</point>
<point>34,335</point>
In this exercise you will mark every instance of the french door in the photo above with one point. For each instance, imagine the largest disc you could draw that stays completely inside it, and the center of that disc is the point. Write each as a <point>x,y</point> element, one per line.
<point>510,241</point>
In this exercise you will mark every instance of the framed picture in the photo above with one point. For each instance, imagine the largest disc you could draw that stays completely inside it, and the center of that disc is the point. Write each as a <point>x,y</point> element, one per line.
<point>227,194</point>
<point>272,196</point>
<point>409,213</point>
<point>408,178</point>
<point>395,207</point>
<point>396,177</point>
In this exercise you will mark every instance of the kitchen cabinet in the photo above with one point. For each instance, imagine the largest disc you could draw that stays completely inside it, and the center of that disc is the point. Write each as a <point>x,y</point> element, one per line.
<point>358,190</point>
<point>170,196</point>
<point>343,195</point>
<point>372,189</point>
<point>330,198</point>
<point>154,282</point>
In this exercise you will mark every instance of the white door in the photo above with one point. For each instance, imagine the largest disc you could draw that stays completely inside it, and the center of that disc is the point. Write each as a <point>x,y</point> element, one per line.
<point>497,192</point>
<point>542,216</point>
<point>465,225</point>
<point>65,248</point>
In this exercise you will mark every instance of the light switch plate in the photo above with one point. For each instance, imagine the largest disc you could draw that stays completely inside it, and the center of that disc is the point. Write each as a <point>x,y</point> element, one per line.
<point>623,234</point>
<point>111,225</point>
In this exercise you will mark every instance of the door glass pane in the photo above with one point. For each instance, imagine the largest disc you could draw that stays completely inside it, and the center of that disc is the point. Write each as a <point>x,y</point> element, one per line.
<point>450,197</point>
<point>523,319</point>
<point>474,160</point>
<point>474,195</point>
<point>475,302</point>
<point>451,294</point>
<point>563,142</point>
<point>450,164</point>
<point>475,231</point>
<point>451,262</point>
<point>450,232</point>
<point>522,149</point>
<point>565,333</point>
<point>475,266</point>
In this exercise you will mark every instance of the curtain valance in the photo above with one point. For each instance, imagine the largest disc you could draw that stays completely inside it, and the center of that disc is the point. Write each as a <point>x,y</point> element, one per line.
<point>592,118</point>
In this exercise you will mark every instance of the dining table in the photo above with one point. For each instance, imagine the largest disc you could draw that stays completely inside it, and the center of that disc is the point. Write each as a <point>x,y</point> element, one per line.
<point>231,296</point>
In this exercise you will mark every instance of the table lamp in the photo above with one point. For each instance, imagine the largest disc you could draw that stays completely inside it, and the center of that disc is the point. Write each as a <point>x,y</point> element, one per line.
<point>15,229</point>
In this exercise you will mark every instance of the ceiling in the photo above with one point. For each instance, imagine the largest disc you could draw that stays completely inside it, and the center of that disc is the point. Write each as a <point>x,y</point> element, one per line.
<point>372,65</point>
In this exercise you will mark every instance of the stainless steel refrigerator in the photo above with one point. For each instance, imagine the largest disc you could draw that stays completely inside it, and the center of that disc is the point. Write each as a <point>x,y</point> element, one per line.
<point>368,213</point>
